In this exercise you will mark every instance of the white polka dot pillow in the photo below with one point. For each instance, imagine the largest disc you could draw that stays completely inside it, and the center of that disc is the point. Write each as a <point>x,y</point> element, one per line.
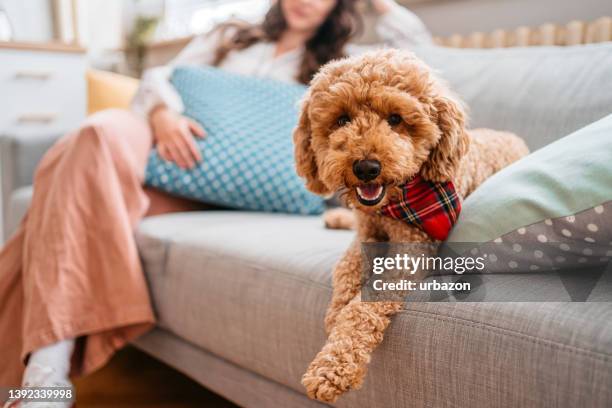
<point>248,151</point>
<point>550,210</point>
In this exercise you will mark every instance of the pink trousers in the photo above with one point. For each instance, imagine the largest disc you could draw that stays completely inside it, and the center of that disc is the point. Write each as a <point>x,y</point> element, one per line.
<point>72,269</point>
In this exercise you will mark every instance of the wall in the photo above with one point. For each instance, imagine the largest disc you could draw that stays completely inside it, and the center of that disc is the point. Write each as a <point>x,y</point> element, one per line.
<point>31,19</point>
<point>446,17</point>
<point>100,24</point>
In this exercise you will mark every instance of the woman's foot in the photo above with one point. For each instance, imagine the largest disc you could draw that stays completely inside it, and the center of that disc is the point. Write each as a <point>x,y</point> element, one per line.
<point>37,375</point>
<point>49,367</point>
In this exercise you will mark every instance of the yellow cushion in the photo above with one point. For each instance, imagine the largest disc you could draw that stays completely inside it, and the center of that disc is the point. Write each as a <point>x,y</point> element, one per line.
<point>107,90</point>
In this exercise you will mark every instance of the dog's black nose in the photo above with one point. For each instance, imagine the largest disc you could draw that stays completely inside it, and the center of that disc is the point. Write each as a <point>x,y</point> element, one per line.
<point>366,170</point>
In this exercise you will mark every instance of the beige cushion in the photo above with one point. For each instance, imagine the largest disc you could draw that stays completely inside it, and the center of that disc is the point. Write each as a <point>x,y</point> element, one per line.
<point>107,90</point>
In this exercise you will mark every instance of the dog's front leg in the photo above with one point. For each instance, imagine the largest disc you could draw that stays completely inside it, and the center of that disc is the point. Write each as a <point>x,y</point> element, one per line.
<point>346,283</point>
<point>358,327</point>
<point>342,363</point>
<point>347,273</point>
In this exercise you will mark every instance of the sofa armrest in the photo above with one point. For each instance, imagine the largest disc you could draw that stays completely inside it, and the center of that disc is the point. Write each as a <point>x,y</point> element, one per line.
<point>19,157</point>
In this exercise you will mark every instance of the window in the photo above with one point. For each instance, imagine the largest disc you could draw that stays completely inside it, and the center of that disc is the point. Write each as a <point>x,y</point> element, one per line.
<point>186,17</point>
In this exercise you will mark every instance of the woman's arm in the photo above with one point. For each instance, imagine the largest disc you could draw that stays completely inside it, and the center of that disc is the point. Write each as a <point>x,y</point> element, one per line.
<point>159,103</point>
<point>155,88</point>
<point>398,26</point>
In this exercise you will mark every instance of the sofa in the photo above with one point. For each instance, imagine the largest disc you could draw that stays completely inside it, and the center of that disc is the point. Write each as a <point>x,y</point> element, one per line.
<point>241,296</point>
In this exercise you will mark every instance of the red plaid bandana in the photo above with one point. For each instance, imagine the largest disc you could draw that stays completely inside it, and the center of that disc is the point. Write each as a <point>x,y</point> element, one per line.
<point>433,207</point>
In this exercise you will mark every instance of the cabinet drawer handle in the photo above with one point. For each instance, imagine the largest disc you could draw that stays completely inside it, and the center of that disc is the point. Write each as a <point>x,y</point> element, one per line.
<point>42,118</point>
<point>36,75</point>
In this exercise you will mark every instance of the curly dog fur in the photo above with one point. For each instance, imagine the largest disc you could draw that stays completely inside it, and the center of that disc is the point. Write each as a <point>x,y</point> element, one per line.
<point>345,118</point>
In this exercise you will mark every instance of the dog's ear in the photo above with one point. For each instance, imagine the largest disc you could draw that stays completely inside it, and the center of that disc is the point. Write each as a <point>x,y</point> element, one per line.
<point>454,142</point>
<point>305,162</point>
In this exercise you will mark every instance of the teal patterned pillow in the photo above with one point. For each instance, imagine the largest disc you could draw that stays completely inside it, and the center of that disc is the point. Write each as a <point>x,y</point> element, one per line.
<point>247,154</point>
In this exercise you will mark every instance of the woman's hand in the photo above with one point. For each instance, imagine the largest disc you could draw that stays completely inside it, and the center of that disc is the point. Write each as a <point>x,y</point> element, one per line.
<point>173,136</point>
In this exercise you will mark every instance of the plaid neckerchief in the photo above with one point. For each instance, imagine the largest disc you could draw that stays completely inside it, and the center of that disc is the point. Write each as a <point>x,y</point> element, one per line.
<point>433,207</point>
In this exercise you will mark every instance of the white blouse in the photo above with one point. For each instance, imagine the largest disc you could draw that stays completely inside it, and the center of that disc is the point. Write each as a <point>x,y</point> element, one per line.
<point>397,28</point>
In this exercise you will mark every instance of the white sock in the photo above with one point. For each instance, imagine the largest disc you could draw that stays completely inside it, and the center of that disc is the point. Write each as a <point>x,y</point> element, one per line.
<point>49,366</point>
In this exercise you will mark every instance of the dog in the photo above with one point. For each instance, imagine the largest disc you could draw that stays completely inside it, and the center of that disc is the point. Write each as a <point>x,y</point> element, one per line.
<point>369,126</point>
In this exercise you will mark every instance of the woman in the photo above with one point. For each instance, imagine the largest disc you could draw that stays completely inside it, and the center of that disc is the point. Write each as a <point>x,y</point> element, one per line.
<point>72,290</point>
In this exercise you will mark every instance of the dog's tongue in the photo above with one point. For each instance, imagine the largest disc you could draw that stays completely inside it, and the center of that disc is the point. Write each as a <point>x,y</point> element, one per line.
<point>369,191</point>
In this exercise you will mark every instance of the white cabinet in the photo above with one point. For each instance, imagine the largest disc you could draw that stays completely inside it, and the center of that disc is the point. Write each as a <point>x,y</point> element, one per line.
<point>42,88</point>
<point>42,91</point>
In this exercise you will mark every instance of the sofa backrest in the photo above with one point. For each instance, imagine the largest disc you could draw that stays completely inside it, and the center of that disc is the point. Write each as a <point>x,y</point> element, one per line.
<point>540,93</point>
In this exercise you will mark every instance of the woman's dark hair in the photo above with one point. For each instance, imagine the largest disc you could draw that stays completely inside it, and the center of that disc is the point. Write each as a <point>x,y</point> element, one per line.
<point>326,44</point>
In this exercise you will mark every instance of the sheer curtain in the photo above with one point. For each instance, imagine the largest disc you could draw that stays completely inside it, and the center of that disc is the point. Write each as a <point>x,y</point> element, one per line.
<point>186,17</point>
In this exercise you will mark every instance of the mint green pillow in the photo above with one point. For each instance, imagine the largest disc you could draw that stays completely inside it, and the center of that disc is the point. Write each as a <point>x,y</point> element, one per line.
<point>563,179</point>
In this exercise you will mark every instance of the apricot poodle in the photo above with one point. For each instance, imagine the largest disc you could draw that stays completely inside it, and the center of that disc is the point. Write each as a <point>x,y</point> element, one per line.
<point>368,126</point>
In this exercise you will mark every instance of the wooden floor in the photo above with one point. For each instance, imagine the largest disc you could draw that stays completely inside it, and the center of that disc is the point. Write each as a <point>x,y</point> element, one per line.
<point>133,379</point>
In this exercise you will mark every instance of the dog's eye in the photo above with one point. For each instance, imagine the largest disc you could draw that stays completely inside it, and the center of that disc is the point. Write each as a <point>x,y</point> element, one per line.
<point>394,119</point>
<point>343,120</point>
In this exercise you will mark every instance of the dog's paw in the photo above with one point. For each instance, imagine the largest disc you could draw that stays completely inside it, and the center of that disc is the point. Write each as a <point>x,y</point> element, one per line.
<point>339,218</point>
<point>322,388</point>
<point>326,383</point>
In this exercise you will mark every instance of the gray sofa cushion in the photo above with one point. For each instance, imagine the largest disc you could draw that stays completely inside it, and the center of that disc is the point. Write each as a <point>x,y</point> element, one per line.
<point>252,288</point>
<point>18,204</point>
<point>540,93</point>
<point>19,156</point>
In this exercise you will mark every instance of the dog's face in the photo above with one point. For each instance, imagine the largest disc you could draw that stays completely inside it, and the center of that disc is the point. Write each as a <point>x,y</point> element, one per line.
<point>370,123</point>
